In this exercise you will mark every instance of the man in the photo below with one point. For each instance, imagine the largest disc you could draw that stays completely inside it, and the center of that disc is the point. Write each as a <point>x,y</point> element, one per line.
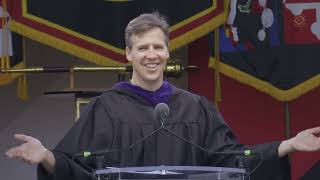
<point>125,114</point>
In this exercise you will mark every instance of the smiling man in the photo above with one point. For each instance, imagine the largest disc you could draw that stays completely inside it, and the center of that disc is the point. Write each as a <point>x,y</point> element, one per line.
<point>148,52</point>
<point>124,115</point>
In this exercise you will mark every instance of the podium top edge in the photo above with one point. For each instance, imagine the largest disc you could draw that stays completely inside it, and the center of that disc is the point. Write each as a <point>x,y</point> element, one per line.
<point>109,170</point>
<point>89,91</point>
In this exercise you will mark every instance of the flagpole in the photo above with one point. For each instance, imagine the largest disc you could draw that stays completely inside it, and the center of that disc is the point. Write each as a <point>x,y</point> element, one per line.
<point>287,123</point>
<point>172,70</point>
<point>217,95</point>
<point>287,120</point>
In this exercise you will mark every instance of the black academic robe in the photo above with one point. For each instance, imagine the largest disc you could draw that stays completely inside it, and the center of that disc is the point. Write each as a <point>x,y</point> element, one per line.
<point>119,118</point>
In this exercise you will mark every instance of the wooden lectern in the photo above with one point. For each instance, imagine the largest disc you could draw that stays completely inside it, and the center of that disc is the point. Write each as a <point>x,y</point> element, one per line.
<point>82,97</point>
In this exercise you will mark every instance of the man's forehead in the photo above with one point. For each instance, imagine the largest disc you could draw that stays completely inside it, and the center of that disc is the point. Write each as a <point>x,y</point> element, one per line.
<point>154,31</point>
<point>148,38</point>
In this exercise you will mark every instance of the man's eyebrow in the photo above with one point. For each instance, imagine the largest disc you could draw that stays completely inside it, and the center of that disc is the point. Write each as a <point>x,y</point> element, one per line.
<point>142,45</point>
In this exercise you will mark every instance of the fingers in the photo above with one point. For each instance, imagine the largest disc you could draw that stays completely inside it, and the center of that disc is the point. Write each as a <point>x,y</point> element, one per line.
<point>19,151</point>
<point>30,152</point>
<point>24,138</point>
<point>19,154</point>
<point>15,152</point>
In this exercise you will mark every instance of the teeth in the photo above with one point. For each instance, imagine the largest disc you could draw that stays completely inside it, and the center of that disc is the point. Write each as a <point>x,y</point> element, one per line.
<point>151,65</point>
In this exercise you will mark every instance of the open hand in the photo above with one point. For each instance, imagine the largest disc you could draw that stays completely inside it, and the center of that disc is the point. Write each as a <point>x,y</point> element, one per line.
<point>31,151</point>
<point>307,140</point>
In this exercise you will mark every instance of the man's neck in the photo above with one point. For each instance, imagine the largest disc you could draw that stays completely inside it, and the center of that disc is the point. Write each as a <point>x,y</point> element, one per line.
<point>150,86</point>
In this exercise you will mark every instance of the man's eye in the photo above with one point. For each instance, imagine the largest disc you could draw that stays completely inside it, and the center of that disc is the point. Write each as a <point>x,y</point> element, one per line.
<point>142,48</point>
<point>159,47</point>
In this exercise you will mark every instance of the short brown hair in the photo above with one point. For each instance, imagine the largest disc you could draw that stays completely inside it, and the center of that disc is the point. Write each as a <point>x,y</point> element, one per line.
<point>144,23</point>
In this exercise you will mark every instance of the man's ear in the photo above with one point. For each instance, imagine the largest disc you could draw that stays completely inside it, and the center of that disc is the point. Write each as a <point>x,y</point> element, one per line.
<point>168,54</point>
<point>128,55</point>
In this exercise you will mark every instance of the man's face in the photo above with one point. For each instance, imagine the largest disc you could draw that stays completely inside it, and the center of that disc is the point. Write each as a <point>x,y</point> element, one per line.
<point>148,55</point>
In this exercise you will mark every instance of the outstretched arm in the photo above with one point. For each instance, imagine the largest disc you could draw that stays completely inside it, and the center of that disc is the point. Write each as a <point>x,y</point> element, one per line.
<point>32,152</point>
<point>307,140</point>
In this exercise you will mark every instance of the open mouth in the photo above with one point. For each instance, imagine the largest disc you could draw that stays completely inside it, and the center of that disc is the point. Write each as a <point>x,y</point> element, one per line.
<point>152,65</point>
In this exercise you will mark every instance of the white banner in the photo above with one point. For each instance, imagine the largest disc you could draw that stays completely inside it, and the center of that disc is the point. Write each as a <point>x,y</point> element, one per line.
<point>5,34</point>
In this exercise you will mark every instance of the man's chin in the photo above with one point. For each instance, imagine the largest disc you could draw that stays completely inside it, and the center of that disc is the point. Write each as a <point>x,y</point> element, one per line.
<point>152,79</point>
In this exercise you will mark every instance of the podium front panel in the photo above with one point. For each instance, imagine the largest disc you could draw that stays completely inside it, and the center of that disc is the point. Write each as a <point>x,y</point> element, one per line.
<point>171,172</point>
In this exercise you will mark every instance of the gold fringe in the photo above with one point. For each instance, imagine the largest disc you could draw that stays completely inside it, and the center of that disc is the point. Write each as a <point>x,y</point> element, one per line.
<point>22,89</point>
<point>2,65</point>
<point>7,62</point>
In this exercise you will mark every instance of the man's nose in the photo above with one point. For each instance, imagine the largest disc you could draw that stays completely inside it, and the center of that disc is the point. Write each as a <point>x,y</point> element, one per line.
<point>151,53</point>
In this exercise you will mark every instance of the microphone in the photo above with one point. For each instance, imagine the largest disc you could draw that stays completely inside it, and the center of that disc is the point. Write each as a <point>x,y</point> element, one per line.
<point>161,112</point>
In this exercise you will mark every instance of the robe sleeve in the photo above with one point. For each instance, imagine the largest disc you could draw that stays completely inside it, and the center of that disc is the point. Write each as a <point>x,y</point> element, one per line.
<point>93,131</point>
<point>219,137</point>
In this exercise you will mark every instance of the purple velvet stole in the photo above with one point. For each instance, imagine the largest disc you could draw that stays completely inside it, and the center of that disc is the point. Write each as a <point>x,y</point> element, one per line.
<point>161,95</point>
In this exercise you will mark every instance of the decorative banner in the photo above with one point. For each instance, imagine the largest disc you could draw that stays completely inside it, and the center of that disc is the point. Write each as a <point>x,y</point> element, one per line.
<point>11,45</point>
<point>273,46</point>
<point>94,29</point>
